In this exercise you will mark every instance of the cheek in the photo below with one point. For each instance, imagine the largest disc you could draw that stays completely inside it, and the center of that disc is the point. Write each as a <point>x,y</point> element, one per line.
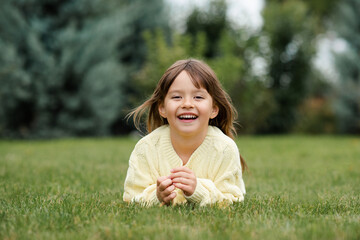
<point>169,108</point>
<point>206,108</point>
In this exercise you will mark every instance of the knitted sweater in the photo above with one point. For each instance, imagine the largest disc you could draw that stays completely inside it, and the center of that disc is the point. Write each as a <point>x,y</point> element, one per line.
<point>216,164</point>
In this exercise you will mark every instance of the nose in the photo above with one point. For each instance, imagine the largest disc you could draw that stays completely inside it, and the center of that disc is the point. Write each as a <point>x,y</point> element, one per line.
<point>187,103</point>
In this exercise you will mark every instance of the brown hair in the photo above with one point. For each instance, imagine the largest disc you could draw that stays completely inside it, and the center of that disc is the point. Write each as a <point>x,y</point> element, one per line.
<point>202,76</point>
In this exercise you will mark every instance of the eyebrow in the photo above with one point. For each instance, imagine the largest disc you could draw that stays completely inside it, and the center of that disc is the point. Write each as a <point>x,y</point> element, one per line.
<point>202,90</point>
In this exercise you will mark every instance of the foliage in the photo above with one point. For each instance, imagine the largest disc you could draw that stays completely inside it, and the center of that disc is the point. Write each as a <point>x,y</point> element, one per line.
<point>249,95</point>
<point>76,68</point>
<point>289,32</point>
<point>347,25</point>
<point>65,64</point>
<point>316,114</point>
<point>212,22</point>
<point>321,10</point>
<point>297,188</point>
<point>317,117</point>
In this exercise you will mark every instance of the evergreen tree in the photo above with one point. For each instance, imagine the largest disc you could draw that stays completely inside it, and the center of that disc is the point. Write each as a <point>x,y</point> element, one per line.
<point>66,64</point>
<point>347,25</point>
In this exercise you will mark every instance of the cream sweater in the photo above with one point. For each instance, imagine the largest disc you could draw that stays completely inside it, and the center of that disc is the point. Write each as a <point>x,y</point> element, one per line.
<point>216,164</point>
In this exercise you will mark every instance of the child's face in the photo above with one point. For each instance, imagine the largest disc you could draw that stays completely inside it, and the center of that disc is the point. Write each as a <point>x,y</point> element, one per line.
<point>187,108</point>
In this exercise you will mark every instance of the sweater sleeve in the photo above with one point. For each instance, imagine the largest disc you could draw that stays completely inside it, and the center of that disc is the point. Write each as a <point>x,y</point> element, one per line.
<point>226,186</point>
<point>140,182</point>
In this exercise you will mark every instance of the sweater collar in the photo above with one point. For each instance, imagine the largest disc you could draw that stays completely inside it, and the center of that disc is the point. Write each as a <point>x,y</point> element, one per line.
<point>174,158</point>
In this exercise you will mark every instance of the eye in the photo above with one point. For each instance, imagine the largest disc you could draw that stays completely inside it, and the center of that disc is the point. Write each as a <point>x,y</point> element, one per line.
<point>176,97</point>
<point>199,97</point>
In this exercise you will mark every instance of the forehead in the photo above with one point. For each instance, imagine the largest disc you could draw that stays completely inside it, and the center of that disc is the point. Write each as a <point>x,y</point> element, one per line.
<point>185,80</point>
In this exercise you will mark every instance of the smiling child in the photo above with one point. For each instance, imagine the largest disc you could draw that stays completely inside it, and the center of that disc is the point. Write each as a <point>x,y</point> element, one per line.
<point>189,154</point>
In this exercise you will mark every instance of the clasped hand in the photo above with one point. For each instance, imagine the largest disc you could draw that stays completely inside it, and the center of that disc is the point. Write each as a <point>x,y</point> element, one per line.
<point>180,177</point>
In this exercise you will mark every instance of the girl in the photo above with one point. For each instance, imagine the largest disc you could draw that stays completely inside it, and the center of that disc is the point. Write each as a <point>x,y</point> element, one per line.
<point>189,155</point>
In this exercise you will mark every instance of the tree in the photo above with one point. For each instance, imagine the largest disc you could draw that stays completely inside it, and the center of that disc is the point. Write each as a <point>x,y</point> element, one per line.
<point>252,100</point>
<point>288,29</point>
<point>347,24</point>
<point>212,22</point>
<point>66,64</point>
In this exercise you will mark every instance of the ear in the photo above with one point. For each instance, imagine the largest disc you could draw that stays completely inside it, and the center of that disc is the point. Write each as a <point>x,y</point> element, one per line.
<point>215,112</point>
<point>162,111</point>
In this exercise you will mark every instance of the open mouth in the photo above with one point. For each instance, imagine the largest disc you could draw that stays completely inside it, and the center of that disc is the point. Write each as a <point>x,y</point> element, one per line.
<point>187,117</point>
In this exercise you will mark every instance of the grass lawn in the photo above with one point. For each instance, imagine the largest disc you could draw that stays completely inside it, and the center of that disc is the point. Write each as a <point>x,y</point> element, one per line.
<point>299,187</point>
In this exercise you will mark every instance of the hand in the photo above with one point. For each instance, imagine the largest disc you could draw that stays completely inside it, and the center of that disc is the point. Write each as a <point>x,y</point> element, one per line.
<point>184,179</point>
<point>164,190</point>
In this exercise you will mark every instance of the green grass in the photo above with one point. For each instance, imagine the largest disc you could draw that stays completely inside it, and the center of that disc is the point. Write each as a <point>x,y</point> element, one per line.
<point>299,187</point>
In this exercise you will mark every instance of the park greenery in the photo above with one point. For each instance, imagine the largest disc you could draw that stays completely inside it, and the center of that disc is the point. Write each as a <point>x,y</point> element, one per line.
<point>298,187</point>
<point>76,68</point>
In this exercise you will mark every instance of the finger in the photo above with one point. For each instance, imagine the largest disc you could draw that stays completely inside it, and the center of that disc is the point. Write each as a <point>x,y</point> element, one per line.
<point>170,197</point>
<point>168,190</point>
<point>164,184</point>
<point>160,179</point>
<point>184,188</point>
<point>180,175</point>
<point>182,180</point>
<point>181,169</point>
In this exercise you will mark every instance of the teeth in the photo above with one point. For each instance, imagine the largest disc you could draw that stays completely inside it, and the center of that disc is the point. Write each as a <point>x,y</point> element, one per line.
<point>187,116</point>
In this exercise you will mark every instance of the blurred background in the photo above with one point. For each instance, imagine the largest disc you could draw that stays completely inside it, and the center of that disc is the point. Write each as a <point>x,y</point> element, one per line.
<point>77,67</point>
